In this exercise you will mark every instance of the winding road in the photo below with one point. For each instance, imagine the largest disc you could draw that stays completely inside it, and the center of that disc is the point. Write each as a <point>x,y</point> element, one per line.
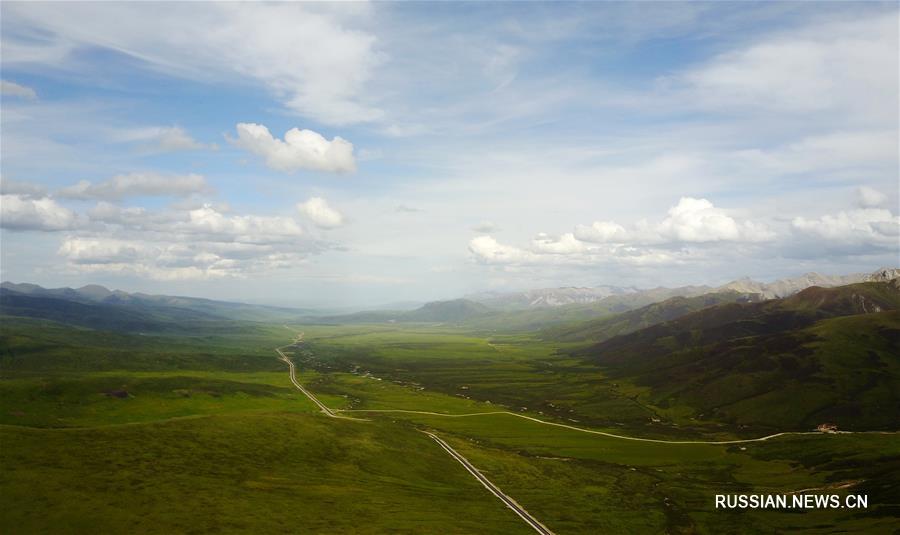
<point>595,432</point>
<point>509,502</point>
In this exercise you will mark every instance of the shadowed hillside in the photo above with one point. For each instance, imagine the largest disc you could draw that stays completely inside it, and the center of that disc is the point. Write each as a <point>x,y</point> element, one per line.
<point>820,355</point>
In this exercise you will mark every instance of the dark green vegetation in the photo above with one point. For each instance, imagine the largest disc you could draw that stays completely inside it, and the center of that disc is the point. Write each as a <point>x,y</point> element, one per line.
<point>255,473</point>
<point>200,430</point>
<point>633,320</point>
<point>823,355</point>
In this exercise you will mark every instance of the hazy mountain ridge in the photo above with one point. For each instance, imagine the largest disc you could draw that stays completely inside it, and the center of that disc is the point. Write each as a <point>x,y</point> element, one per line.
<point>162,306</point>
<point>562,296</point>
<point>547,297</point>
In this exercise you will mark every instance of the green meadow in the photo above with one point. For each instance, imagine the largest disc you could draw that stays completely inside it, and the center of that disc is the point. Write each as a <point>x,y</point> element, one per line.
<point>104,432</point>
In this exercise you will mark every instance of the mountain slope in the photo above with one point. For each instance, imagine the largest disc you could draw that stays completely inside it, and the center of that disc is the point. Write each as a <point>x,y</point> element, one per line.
<point>104,316</point>
<point>452,311</point>
<point>165,305</point>
<point>633,320</point>
<point>823,354</point>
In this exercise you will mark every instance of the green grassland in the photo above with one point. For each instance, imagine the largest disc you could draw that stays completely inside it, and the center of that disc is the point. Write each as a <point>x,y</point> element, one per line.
<point>260,473</point>
<point>204,433</point>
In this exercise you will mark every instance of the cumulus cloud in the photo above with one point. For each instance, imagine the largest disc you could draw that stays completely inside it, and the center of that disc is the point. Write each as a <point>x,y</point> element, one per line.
<point>601,232</point>
<point>23,189</point>
<point>246,229</point>
<point>488,250</point>
<point>13,89</point>
<point>857,229</point>
<point>186,243</point>
<point>869,197</point>
<point>317,210</point>
<point>300,149</point>
<point>690,222</point>
<point>565,244</point>
<point>697,220</point>
<point>18,212</point>
<point>137,185</point>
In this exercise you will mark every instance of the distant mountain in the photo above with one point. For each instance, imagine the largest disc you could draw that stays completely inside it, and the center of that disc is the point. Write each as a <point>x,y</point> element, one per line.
<point>565,296</point>
<point>139,307</point>
<point>825,354</point>
<point>546,297</point>
<point>786,287</point>
<point>640,318</point>
<point>452,311</point>
<point>99,315</point>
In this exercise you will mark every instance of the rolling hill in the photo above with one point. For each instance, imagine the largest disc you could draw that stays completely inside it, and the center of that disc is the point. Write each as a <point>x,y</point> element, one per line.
<point>824,354</point>
<point>633,320</point>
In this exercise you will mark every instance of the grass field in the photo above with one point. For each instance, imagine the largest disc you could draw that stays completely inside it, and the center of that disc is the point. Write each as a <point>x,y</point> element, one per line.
<point>98,439</point>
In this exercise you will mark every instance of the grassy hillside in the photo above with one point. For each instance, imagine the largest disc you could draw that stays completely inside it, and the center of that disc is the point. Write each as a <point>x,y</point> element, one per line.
<point>202,431</point>
<point>633,320</point>
<point>819,356</point>
<point>254,473</point>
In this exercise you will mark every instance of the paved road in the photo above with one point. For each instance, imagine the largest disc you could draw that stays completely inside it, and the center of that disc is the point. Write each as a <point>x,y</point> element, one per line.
<point>308,394</point>
<point>621,437</point>
<point>518,509</point>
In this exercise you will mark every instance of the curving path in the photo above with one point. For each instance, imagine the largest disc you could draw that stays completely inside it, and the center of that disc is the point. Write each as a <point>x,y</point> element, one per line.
<point>509,502</point>
<point>593,431</point>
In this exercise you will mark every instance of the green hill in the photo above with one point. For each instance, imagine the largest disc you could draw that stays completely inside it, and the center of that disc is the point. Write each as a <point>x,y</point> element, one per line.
<point>633,320</point>
<point>820,355</point>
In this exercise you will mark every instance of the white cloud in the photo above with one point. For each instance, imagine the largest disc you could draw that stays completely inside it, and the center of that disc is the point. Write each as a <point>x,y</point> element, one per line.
<point>858,229</point>
<point>309,56</point>
<point>697,220</point>
<point>245,229</point>
<point>488,250</point>
<point>105,212</point>
<point>823,154</point>
<point>849,67</point>
<point>13,89</point>
<point>691,221</point>
<point>870,197</point>
<point>192,243</point>
<point>320,213</point>
<point>23,189</point>
<point>602,232</point>
<point>166,139</point>
<point>300,149</point>
<point>565,244</point>
<point>137,185</point>
<point>18,212</point>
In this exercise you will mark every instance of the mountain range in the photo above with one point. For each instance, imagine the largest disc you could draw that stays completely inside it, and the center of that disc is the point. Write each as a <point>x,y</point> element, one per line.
<point>97,307</point>
<point>556,297</point>
<point>820,355</point>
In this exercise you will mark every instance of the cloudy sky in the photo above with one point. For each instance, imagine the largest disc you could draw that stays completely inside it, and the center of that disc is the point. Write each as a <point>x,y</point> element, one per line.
<point>360,154</point>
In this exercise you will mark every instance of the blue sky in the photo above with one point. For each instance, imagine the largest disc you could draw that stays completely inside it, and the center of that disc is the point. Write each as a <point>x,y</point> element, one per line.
<point>442,149</point>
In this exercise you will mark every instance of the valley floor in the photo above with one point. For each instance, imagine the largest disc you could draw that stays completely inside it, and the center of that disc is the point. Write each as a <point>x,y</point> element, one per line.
<point>188,443</point>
